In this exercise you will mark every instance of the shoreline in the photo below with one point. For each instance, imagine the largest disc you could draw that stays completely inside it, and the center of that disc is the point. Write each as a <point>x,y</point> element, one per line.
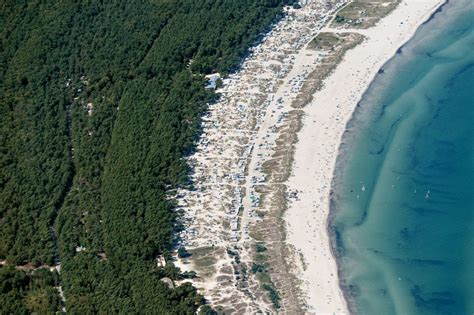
<point>317,151</point>
<point>344,147</point>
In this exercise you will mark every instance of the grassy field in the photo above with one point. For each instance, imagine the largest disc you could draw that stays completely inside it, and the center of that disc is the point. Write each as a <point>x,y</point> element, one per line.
<point>363,14</point>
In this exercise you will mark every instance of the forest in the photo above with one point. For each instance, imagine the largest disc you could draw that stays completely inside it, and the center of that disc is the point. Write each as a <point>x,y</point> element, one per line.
<point>99,103</point>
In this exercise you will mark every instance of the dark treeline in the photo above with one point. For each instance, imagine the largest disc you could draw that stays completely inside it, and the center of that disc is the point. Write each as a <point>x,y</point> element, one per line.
<point>23,292</point>
<point>99,102</point>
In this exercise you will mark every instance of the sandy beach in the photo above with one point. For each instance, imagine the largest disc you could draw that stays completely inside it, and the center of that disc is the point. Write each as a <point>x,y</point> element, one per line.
<point>255,218</point>
<point>324,121</point>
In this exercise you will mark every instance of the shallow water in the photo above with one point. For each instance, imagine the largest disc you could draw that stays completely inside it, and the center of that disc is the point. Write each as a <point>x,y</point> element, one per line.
<point>402,207</point>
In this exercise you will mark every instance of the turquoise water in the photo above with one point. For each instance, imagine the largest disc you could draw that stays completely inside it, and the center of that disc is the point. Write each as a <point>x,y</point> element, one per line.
<point>402,205</point>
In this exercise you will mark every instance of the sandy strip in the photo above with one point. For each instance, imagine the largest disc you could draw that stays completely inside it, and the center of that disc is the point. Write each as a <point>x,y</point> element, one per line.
<point>319,140</point>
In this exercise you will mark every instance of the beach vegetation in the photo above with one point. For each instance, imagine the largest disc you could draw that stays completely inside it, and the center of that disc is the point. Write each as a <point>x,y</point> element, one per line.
<point>189,275</point>
<point>231,253</point>
<point>339,19</point>
<point>259,248</point>
<point>272,294</point>
<point>264,277</point>
<point>237,259</point>
<point>207,310</point>
<point>183,253</point>
<point>364,14</point>
<point>259,258</point>
<point>296,6</point>
<point>325,41</point>
<point>258,268</point>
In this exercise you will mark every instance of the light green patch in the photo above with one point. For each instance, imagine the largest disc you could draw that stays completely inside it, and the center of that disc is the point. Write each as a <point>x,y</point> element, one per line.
<point>363,14</point>
<point>325,41</point>
<point>204,260</point>
<point>264,277</point>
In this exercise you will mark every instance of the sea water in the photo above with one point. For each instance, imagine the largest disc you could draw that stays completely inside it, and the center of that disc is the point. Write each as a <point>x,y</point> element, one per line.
<point>402,203</point>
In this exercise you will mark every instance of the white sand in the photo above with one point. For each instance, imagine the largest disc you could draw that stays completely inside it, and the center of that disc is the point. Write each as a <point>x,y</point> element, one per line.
<point>318,145</point>
<point>237,139</point>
